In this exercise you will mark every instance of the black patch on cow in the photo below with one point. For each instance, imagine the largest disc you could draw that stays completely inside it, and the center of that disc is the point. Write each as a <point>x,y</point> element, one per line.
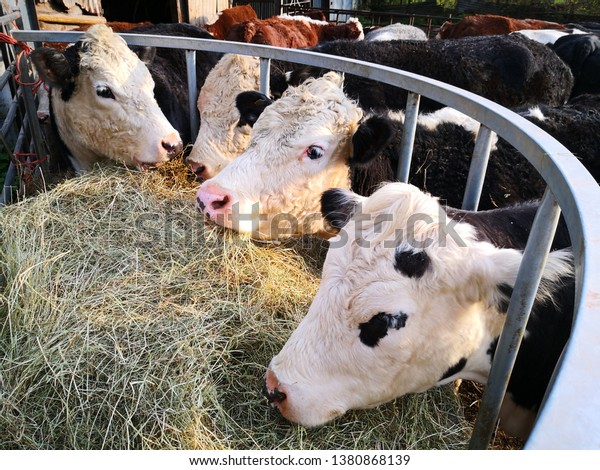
<point>492,349</point>
<point>371,138</point>
<point>377,327</point>
<point>58,69</point>
<point>147,54</point>
<point>337,207</point>
<point>251,104</point>
<point>504,299</point>
<point>460,365</point>
<point>412,263</point>
<point>508,227</point>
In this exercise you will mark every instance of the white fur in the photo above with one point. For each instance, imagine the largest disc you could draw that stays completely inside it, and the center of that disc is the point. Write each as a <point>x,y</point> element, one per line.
<point>397,31</point>
<point>450,115</point>
<point>324,369</point>
<point>276,173</point>
<point>535,112</point>
<point>220,140</point>
<point>271,172</point>
<point>546,36</point>
<point>127,128</point>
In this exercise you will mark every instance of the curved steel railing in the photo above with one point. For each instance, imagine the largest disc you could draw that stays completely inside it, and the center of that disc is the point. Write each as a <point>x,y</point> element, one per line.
<point>570,189</point>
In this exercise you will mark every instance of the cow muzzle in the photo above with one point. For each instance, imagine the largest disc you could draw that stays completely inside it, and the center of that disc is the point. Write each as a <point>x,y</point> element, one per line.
<point>272,390</point>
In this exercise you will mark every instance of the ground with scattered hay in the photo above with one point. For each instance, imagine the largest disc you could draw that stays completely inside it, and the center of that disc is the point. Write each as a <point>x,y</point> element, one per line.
<point>127,323</point>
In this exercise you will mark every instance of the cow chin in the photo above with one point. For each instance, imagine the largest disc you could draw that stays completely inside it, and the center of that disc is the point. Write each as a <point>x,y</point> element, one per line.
<point>146,166</point>
<point>309,412</point>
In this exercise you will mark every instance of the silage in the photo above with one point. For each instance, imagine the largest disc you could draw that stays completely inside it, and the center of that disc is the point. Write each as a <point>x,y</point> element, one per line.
<point>129,323</point>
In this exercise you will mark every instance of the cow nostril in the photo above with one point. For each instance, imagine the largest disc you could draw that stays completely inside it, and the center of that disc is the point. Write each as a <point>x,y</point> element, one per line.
<point>276,396</point>
<point>218,204</point>
<point>199,170</point>
<point>171,147</point>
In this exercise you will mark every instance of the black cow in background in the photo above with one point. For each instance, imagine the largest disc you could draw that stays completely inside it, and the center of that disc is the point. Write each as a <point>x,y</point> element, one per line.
<point>582,53</point>
<point>510,70</point>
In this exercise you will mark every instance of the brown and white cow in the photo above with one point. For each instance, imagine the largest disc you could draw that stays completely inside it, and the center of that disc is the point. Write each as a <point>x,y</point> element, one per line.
<point>103,103</point>
<point>489,25</point>
<point>229,17</point>
<point>293,31</point>
<point>414,295</point>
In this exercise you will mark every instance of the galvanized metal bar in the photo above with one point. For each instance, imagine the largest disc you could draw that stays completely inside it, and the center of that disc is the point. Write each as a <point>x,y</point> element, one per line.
<point>521,301</point>
<point>8,184</point>
<point>31,109</point>
<point>572,185</point>
<point>9,18</point>
<point>408,136</point>
<point>10,117</point>
<point>479,162</point>
<point>265,76</point>
<point>6,75</point>
<point>190,59</point>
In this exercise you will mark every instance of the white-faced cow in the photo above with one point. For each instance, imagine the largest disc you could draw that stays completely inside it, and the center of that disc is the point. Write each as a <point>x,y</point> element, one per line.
<point>315,138</point>
<point>222,136</point>
<point>104,98</point>
<point>414,295</point>
<point>512,71</point>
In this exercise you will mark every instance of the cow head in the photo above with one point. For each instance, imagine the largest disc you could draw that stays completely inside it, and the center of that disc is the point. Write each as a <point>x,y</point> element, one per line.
<point>298,148</point>
<point>222,137</point>
<point>408,300</point>
<point>103,102</point>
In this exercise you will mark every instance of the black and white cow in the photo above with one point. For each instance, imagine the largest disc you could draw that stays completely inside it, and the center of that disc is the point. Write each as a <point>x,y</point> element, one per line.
<point>510,70</point>
<point>414,295</point>
<point>305,142</point>
<point>104,98</point>
<point>442,150</point>
<point>582,53</point>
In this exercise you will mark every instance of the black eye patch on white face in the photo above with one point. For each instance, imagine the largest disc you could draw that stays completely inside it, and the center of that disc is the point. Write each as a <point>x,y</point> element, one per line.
<point>411,263</point>
<point>377,327</point>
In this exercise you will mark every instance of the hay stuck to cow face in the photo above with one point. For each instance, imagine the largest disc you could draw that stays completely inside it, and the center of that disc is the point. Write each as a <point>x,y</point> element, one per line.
<point>128,324</point>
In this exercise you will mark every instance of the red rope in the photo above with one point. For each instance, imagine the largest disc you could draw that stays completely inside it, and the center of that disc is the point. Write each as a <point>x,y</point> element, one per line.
<point>25,51</point>
<point>10,40</point>
<point>19,159</point>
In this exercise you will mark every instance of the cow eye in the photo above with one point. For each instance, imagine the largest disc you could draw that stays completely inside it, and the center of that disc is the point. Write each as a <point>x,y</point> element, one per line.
<point>314,153</point>
<point>104,92</point>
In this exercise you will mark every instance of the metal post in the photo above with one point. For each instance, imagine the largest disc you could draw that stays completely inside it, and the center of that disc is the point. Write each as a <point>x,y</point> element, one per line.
<point>265,76</point>
<point>408,136</point>
<point>526,286</point>
<point>30,108</point>
<point>479,162</point>
<point>190,59</point>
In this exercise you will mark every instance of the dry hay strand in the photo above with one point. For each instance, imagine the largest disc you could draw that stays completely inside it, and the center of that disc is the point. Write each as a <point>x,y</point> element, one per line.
<point>129,324</point>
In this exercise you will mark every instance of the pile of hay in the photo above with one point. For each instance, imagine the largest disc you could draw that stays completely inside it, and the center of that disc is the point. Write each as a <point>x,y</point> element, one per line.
<point>129,324</point>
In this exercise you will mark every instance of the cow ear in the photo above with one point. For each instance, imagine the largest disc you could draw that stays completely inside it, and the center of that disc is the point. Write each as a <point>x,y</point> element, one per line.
<point>251,104</point>
<point>52,66</point>
<point>371,139</point>
<point>498,268</point>
<point>145,53</point>
<point>338,206</point>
